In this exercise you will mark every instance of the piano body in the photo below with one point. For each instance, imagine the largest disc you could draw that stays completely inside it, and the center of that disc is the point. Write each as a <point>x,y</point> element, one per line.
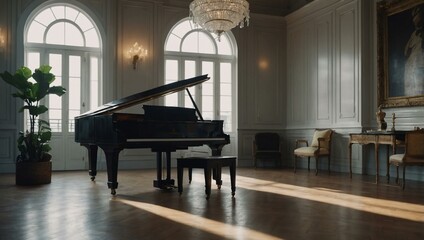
<point>162,129</point>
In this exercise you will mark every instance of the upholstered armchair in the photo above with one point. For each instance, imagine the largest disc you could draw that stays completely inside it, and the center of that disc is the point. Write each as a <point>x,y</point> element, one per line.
<point>413,156</point>
<point>267,147</point>
<point>320,147</point>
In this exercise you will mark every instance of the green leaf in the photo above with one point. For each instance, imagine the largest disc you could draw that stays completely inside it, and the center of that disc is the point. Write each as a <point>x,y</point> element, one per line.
<point>45,137</point>
<point>46,148</point>
<point>33,110</point>
<point>58,90</point>
<point>45,68</point>
<point>24,71</point>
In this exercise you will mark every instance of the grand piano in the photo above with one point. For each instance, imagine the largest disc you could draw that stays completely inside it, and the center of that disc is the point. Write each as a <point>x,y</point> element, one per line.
<point>162,129</point>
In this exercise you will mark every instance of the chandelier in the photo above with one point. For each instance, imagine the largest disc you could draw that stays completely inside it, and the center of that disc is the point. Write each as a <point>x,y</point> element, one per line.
<point>218,16</point>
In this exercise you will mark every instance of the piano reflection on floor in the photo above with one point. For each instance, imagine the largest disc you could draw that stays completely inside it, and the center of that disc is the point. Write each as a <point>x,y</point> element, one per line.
<point>162,129</point>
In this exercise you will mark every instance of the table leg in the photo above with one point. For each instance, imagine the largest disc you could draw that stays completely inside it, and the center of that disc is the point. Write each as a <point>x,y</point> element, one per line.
<point>350,159</point>
<point>387,163</point>
<point>377,162</point>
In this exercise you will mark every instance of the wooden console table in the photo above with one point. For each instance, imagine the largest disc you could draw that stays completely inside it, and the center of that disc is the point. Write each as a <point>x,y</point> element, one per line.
<point>396,138</point>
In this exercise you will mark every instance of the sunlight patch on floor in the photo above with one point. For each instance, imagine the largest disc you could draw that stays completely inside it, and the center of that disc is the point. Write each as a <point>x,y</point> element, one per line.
<point>225,230</point>
<point>408,211</point>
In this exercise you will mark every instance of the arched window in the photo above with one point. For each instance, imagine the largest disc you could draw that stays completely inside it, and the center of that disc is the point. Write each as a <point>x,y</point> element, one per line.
<point>190,51</point>
<point>66,38</point>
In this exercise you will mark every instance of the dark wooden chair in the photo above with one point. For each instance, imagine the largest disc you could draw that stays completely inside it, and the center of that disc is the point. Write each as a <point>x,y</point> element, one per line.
<point>267,147</point>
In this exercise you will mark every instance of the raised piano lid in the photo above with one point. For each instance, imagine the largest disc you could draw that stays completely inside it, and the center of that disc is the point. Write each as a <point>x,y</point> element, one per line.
<point>145,96</point>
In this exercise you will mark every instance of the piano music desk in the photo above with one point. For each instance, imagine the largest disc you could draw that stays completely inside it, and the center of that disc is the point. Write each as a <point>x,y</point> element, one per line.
<point>208,163</point>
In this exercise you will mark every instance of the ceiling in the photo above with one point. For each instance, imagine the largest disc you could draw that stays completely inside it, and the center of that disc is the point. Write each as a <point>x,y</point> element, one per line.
<point>276,7</point>
<point>268,7</point>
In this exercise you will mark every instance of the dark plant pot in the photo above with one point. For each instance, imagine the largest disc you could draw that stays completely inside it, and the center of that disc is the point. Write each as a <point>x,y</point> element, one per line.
<point>33,173</point>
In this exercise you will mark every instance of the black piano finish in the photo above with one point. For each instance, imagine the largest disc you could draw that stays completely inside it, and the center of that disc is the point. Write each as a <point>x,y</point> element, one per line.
<point>162,129</point>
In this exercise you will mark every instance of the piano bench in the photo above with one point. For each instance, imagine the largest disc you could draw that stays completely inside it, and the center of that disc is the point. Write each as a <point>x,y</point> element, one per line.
<point>214,163</point>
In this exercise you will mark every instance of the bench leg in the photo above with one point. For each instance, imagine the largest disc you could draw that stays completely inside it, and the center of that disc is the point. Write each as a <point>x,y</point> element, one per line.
<point>190,174</point>
<point>180,173</point>
<point>217,172</point>
<point>233,178</point>
<point>207,182</point>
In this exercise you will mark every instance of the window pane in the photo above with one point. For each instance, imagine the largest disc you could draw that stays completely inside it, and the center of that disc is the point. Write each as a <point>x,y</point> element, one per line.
<point>205,44</point>
<point>74,66</point>
<point>181,29</point>
<point>45,17</point>
<point>33,60</point>
<point>92,38</point>
<point>224,46</point>
<point>73,36</point>
<point>208,90</point>
<point>173,43</point>
<point>55,61</point>
<point>74,91</point>
<point>56,34</point>
<point>55,120</point>
<point>226,95</point>
<point>94,82</point>
<point>74,94</point>
<point>59,12</point>
<point>190,43</point>
<point>207,103</point>
<point>71,14</point>
<point>189,71</point>
<point>171,75</point>
<point>35,32</point>
<point>171,71</point>
<point>83,22</point>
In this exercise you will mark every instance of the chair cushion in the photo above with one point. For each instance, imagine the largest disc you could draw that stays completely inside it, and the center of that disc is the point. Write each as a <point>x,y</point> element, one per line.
<point>310,151</point>
<point>401,159</point>
<point>396,159</point>
<point>321,134</point>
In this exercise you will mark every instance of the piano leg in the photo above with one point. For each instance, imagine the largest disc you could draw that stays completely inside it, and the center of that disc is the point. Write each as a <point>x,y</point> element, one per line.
<point>92,160</point>
<point>216,149</point>
<point>167,183</point>
<point>112,154</point>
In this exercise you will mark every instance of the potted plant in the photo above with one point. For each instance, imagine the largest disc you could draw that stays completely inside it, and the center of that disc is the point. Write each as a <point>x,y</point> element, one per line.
<point>33,164</point>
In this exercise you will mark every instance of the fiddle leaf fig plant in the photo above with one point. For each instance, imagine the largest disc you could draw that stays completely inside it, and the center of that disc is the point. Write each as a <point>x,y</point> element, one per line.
<point>33,144</point>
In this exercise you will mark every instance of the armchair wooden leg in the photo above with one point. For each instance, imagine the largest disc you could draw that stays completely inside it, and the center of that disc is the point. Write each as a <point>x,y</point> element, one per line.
<point>295,158</point>
<point>329,159</point>
<point>316,166</point>
<point>309,162</point>
<point>403,180</point>
<point>397,174</point>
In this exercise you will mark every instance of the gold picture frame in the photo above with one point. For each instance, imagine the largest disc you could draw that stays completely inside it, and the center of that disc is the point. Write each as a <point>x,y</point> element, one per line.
<point>400,71</point>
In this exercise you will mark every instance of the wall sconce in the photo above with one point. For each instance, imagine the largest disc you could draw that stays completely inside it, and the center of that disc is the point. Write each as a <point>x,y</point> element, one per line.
<point>2,41</point>
<point>136,53</point>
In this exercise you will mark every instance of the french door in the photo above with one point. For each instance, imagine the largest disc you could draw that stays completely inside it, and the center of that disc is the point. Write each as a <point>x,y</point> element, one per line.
<point>79,73</point>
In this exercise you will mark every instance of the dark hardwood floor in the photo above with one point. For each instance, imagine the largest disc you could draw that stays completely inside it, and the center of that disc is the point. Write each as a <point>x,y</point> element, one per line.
<point>269,204</point>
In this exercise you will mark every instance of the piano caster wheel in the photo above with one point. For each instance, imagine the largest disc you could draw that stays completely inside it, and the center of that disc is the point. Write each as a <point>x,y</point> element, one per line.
<point>92,178</point>
<point>113,192</point>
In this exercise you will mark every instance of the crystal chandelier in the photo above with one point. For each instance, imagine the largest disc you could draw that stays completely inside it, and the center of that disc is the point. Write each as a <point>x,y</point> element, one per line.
<point>218,16</point>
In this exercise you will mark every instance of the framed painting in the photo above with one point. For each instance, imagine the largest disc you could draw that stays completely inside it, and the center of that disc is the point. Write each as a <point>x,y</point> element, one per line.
<point>400,53</point>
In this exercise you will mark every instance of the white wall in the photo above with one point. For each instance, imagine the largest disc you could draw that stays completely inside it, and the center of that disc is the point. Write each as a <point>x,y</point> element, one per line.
<point>332,81</point>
